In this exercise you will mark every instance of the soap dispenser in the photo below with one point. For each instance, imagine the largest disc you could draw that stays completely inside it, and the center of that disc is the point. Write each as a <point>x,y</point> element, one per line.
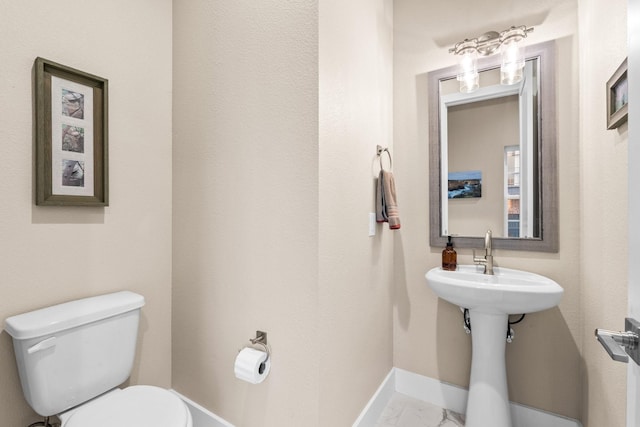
<point>449,257</point>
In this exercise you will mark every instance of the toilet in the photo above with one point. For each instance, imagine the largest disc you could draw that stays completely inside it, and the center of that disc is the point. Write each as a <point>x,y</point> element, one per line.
<point>73,357</point>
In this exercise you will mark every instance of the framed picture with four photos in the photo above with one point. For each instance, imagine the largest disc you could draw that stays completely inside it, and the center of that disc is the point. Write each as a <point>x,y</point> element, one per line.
<point>71,136</point>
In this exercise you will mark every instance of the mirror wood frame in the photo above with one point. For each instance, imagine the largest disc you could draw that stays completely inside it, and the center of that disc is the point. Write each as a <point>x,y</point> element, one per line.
<point>547,153</point>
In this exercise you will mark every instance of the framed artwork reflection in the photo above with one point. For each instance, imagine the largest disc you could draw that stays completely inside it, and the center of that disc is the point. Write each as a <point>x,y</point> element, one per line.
<point>465,185</point>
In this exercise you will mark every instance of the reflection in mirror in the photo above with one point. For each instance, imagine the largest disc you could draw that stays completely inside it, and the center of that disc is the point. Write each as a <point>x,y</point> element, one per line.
<point>489,164</point>
<point>493,157</point>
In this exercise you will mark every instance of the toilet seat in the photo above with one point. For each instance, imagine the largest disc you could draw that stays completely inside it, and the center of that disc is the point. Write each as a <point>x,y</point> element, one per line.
<point>135,406</point>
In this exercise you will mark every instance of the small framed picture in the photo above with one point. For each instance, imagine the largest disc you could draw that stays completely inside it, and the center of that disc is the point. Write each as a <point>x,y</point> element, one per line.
<point>465,185</point>
<point>617,97</point>
<point>71,136</point>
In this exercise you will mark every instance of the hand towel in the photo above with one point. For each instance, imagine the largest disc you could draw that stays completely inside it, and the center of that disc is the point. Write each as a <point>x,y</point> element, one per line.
<point>386,204</point>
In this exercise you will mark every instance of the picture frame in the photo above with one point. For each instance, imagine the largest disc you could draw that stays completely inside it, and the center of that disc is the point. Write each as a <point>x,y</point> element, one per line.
<point>71,141</point>
<point>618,97</point>
<point>465,185</point>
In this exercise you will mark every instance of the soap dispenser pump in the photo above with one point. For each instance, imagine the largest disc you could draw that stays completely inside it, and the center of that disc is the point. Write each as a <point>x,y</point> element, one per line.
<point>449,257</point>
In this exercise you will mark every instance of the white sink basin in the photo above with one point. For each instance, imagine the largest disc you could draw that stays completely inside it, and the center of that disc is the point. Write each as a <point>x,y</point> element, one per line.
<point>508,291</point>
<point>490,300</point>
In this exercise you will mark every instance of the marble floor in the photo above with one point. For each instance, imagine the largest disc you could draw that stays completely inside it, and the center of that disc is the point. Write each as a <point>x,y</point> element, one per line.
<point>404,411</point>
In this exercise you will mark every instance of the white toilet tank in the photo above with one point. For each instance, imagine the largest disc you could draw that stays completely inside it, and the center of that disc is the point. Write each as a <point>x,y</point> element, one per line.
<point>72,352</point>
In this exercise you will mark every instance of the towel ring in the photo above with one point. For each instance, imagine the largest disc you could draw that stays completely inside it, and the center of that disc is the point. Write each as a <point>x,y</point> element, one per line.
<point>381,150</point>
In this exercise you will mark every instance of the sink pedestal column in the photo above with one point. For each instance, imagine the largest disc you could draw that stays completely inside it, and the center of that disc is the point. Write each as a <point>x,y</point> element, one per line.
<point>488,403</point>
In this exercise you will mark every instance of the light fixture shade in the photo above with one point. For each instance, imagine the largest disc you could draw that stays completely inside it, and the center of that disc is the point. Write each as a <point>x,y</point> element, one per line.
<point>512,61</point>
<point>468,73</point>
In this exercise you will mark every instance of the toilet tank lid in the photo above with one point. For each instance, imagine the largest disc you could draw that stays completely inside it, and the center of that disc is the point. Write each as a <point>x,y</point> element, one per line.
<point>56,318</point>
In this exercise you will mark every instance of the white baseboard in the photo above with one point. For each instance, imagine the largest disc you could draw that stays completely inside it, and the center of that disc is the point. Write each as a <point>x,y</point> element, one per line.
<point>419,387</point>
<point>427,389</point>
<point>378,402</point>
<point>201,416</point>
<point>447,396</point>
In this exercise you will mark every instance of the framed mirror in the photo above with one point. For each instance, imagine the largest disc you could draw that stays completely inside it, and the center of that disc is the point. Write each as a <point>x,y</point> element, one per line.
<point>493,157</point>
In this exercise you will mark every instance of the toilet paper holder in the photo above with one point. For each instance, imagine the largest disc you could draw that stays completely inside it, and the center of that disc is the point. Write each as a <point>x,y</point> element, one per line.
<point>261,340</point>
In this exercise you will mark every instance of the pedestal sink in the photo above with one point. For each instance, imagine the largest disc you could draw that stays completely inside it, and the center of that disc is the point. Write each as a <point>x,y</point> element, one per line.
<point>490,300</point>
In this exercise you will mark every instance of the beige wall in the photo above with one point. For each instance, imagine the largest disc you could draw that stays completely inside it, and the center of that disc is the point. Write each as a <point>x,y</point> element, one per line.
<point>275,127</point>
<point>355,345</point>
<point>53,254</point>
<point>603,210</point>
<point>555,363</point>
<point>246,205</point>
<point>544,361</point>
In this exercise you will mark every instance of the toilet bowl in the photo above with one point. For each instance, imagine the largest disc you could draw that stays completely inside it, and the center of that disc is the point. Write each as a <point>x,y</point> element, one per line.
<point>135,406</point>
<point>73,357</point>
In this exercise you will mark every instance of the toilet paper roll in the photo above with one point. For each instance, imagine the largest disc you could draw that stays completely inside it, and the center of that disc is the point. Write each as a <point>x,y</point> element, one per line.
<point>250,365</point>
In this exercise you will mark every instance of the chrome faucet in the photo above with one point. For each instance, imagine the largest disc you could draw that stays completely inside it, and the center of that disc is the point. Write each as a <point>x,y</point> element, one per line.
<point>487,260</point>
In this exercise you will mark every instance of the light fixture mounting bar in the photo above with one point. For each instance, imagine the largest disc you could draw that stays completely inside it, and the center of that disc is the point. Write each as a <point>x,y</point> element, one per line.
<point>489,42</point>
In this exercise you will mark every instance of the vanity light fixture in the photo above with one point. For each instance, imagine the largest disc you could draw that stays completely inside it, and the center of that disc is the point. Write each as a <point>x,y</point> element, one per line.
<point>509,44</point>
